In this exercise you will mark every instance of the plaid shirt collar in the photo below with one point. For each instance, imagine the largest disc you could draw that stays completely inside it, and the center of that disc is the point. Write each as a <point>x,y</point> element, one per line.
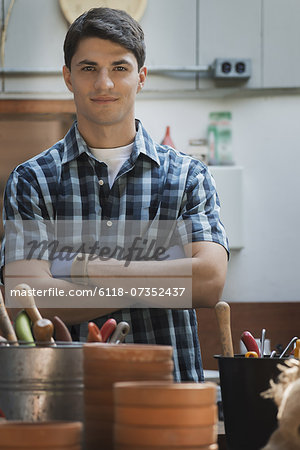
<point>75,145</point>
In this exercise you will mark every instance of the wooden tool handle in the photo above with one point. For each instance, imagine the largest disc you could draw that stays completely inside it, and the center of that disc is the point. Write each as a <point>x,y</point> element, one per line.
<point>5,323</point>
<point>61,331</point>
<point>43,330</point>
<point>27,301</point>
<point>223,317</point>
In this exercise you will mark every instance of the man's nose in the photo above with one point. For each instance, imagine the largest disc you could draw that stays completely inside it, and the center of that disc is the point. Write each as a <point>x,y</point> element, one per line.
<point>103,80</point>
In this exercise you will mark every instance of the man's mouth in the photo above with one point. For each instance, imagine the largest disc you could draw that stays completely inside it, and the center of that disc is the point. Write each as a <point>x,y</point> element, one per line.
<point>104,99</point>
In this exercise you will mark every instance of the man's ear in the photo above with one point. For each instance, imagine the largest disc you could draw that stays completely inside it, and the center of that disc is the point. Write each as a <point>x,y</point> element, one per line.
<point>67,78</point>
<point>142,78</point>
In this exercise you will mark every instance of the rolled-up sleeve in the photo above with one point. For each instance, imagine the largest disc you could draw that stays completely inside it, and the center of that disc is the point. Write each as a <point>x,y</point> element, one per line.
<point>199,218</point>
<point>26,230</point>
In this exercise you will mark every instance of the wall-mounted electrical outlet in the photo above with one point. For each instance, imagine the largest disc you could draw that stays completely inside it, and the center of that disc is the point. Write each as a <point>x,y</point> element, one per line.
<point>228,68</point>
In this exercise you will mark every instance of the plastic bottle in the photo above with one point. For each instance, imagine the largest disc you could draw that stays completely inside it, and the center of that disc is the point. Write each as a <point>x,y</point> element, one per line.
<point>219,138</point>
<point>167,140</point>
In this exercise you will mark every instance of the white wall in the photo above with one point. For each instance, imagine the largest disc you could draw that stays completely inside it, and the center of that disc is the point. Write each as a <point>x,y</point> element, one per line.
<point>266,144</point>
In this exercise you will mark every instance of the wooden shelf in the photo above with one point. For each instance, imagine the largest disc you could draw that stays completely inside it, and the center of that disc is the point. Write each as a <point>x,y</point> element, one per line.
<point>19,107</point>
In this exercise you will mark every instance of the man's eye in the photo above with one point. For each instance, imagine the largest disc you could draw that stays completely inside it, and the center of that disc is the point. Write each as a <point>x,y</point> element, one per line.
<point>120,68</point>
<point>88,68</point>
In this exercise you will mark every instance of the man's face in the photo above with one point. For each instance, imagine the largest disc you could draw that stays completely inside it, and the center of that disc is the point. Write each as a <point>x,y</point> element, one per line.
<point>104,79</point>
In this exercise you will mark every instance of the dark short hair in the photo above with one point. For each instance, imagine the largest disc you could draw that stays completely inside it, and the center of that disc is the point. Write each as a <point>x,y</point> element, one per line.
<point>106,23</point>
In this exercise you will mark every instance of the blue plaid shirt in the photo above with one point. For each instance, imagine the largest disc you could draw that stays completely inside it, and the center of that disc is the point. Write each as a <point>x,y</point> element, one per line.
<point>62,183</point>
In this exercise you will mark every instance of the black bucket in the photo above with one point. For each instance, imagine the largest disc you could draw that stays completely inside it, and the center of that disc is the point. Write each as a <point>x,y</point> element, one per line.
<point>249,419</point>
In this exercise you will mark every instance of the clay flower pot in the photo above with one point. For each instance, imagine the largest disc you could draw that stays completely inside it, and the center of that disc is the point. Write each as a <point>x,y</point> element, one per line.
<point>152,414</point>
<point>135,352</point>
<point>131,447</point>
<point>40,435</point>
<point>166,416</point>
<point>162,436</point>
<point>105,364</point>
<point>156,393</point>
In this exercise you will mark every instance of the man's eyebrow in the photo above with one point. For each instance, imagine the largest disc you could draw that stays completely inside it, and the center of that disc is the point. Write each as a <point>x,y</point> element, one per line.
<point>86,62</point>
<point>120,62</point>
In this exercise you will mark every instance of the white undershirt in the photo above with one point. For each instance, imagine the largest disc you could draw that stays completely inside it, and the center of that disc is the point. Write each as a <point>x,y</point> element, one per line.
<point>114,158</point>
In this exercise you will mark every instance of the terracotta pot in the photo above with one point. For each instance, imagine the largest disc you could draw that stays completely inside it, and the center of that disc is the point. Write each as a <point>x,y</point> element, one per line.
<point>140,447</point>
<point>159,416</point>
<point>163,436</point>
<point>102,414</point>
<point>73,447</point>
<point>163,394</point>
<point>105,364</point>
<point>103,427</point>
<point>92,398</point>
<point>102,368</point>
<point>91,382</point>
<point>40,435</point>
<point>134,352</point>
<point>99,397</point>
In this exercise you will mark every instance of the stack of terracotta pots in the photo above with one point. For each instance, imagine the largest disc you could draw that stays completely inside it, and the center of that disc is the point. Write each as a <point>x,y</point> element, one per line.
<point>16,435</point>
<point>169,416</point>
<point>105,364</point>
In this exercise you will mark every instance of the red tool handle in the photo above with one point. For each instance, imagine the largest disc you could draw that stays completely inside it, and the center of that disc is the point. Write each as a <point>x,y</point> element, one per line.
<point>250,342</point>
<point>94,334</point>
<point>108,328</point>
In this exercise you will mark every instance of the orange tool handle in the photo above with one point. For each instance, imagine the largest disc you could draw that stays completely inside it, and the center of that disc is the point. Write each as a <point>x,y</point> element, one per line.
<point>251,355</point>
<point>94,334</point>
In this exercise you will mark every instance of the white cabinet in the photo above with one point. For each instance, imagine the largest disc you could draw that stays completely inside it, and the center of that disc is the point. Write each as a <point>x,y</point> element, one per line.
<point>229,181</point>
<point>281,43</point>
<point>170,35</point>
<point>35,37</point>
<point>178,33</point>
<point>230,29</point>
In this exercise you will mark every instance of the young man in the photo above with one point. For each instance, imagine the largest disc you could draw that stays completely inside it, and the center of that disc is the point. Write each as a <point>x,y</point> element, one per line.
<point>108,169</point>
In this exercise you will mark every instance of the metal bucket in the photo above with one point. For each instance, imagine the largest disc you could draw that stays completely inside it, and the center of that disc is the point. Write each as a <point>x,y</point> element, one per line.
<point>42,383</point>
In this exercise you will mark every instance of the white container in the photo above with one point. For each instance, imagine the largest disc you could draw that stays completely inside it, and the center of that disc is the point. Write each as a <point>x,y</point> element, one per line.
<point>198,148</point>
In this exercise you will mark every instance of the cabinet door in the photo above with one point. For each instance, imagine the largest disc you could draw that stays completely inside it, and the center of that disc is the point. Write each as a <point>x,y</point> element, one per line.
<point>35,37</point>
<point>170,30</point>
<point>281,43</point>
<point>229,182</point>
<point>230,29</point>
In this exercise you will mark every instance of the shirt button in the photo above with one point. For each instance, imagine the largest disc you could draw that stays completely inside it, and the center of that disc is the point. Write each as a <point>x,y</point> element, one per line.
<point>101,182</point>
<point>109,223</point>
